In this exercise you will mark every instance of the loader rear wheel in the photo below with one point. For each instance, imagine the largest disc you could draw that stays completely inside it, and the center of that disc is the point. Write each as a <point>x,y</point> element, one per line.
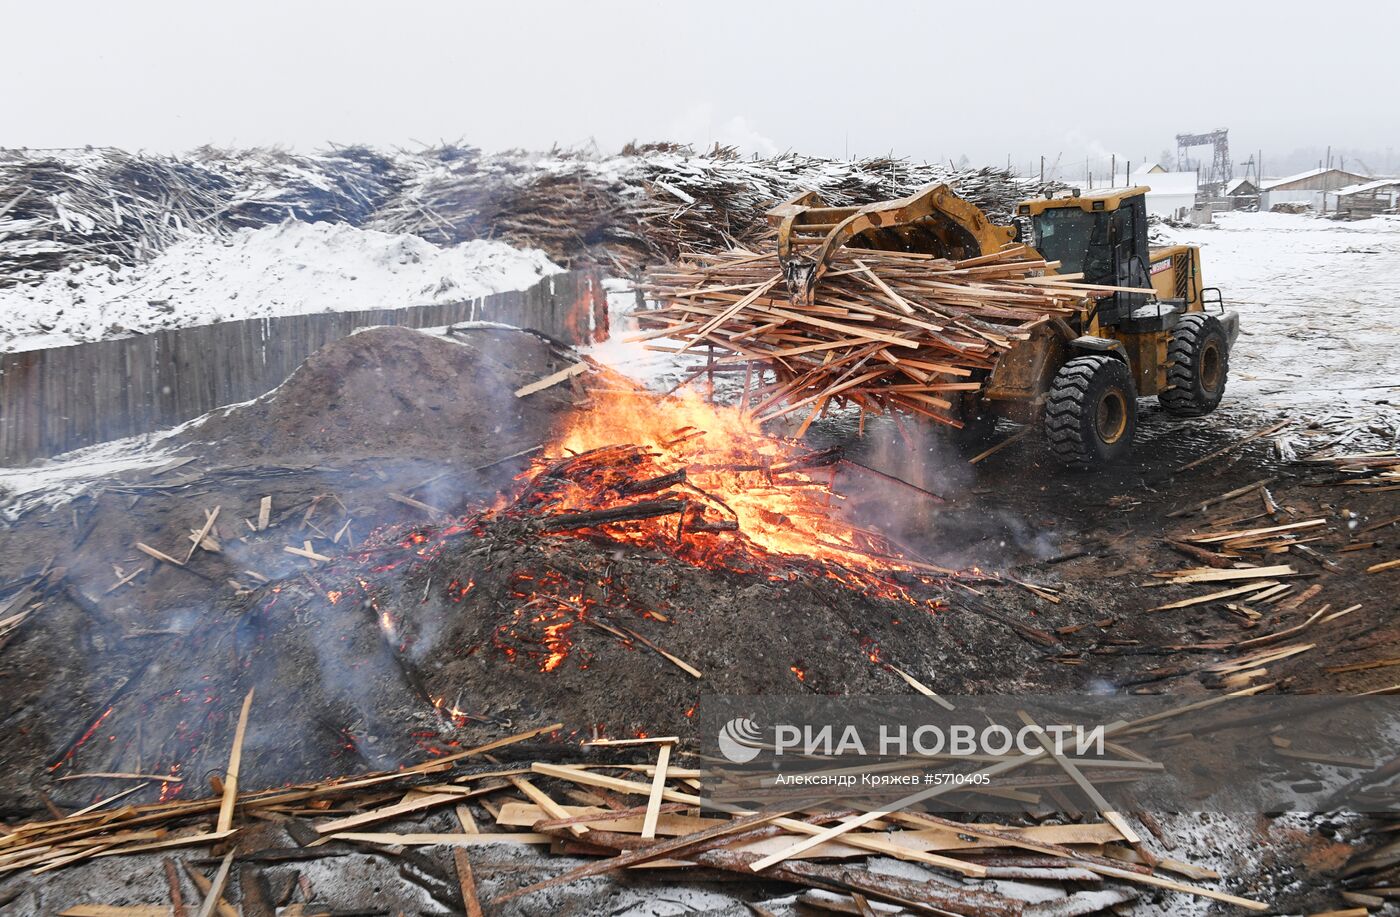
<point>1198,362</point>
<point>1091,411</point>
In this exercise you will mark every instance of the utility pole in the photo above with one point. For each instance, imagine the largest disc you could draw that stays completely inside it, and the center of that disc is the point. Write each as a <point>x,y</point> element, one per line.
<point>1113,171</point>
<point>1042,171</point>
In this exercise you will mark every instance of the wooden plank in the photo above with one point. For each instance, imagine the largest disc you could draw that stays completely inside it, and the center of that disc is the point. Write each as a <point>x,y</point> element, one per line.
<point>551,380</point>
<point>470,902</point>
<point>1217,596</point>
<point>1258,434</point>
<point>1087,788</point>
<point>226,805</point>
<point>921,687</point>
<point>307,553</point>
<point>214,896</point>
<point>1216,537</point>
<point>541,798</point>
<point>429,801</point>
<point>1219,575</point>
<point>208,524</point>
<point>481,839</point>
<point>658,786</point>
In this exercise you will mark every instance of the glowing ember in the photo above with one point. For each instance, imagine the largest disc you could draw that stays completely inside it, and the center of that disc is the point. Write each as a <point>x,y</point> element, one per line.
<point>73,750</point>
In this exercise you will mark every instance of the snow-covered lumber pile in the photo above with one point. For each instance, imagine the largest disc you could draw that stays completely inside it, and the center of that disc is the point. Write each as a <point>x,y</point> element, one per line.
<point>647,205</point>
<point>653,203</point>
<point>59,208</point>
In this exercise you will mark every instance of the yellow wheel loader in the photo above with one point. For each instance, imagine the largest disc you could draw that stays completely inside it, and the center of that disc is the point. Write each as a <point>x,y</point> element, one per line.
<point>1080,377</point>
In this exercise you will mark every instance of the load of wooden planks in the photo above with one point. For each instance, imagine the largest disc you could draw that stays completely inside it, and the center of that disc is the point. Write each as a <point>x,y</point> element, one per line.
<point>885,329</point>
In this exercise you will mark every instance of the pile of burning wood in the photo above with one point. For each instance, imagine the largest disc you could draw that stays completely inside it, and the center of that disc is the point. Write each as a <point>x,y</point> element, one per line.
<point>884,330</point>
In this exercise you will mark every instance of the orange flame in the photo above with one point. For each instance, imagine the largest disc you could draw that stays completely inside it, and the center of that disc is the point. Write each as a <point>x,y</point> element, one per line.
<point>753,481</point>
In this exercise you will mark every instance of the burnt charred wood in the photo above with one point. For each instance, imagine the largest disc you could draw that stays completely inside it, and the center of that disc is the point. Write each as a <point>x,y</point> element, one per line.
<point>281,855</point>
<point>421,871</point>
<point>90,725</point>
<point>1343,793</point>
<point>708,525</point>
<point>301,832</point>
<point>254,893</point>
<point>937,498</point>
<point>15,585</point>
<point>1209,558</point>
<point>639,851</point>
<point>652,485</point>
<point>74,593</point>
<point>814,460</point>
<point>1031,634</point>
<point>649,509</point>
<point>89,525</point>
<point>928,897</point>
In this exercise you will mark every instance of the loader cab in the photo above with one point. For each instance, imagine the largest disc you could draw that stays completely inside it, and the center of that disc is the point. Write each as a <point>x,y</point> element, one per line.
<point>1101,234</point>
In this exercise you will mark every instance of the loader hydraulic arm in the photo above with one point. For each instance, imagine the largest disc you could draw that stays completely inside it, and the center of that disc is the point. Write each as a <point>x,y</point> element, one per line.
<point>933,221</point>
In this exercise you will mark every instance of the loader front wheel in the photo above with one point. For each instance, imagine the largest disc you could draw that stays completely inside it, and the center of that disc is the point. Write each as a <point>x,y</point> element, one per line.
<point>1198,362</point>
<point>1091,411</point>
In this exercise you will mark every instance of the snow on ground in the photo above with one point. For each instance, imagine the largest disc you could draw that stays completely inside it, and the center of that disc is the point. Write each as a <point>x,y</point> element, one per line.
<point>288,269</point>
<point>58,481</point>
<point>1319,304</point>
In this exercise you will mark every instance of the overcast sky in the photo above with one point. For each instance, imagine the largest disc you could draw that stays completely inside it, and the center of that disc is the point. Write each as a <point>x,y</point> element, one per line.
<point>928,80</point>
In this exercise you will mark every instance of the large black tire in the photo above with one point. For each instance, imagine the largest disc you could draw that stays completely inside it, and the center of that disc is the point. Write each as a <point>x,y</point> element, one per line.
<point>1091,411</point>
<point>1198,363</point>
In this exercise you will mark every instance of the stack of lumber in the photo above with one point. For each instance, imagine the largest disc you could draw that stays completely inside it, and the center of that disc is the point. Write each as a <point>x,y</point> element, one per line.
<point>646,205</point>
<point>67,207</point>
<point>884,330</point>
<point>713,201</point>
<point>340,185</point>
<point>58,209</point>
<point>653,202</point>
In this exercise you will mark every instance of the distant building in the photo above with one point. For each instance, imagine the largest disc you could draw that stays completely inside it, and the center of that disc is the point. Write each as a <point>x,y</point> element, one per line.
<point>1357,202</point>
<point>1315,188</point>
<point>1242,194</point>
<point>1171,194</point>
